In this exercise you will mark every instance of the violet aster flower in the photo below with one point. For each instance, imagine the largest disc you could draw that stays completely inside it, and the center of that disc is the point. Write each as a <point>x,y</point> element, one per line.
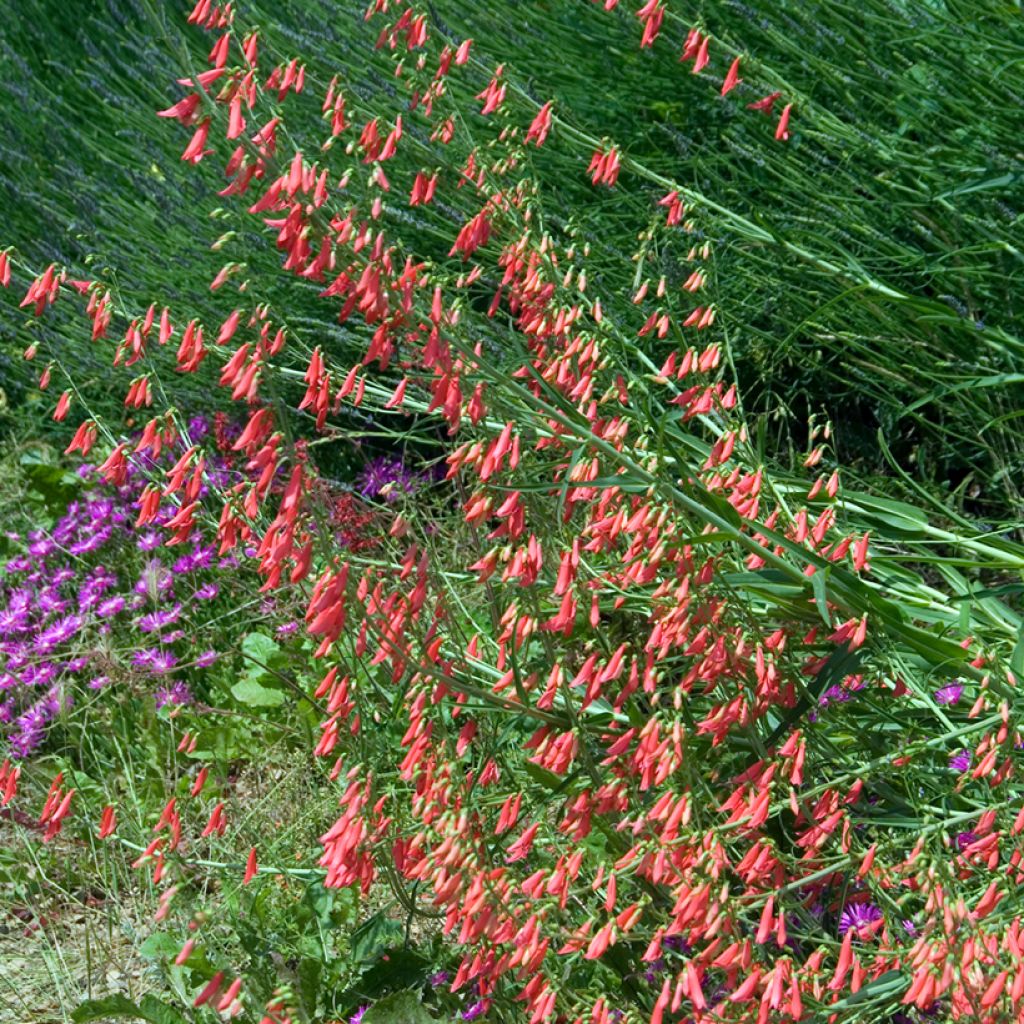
<point>111,606</point>
<point>154,660</point>
<point>58,633</point>
<point>13,620</point>
<point>41,545</point>
<point>91,543</point>
<point>206,659</point>
<point>149,541</point>
<point>857,916</point>
<point>438,979</point>
<point>358,1015</point>
<point>174,693</point>
<point>960,762</point>
<point>473,1011</point>
<point>949,694</point>
<point>206,592</point>
<point>153,622</point>
<point>49,601</point>
<point>154,581</point>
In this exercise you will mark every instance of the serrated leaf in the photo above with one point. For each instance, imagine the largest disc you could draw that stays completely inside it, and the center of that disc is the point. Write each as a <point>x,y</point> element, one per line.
<point>110,1006</point>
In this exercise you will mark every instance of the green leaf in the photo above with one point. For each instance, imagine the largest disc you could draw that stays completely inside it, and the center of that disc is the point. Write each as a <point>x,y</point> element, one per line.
<point>310,970</point>
<point>157,1012</point>
<point>250,692</point>
<point>398,1008</point>
<point>110,1006</point>
<point>260,648</point>
<point>158,945</point>
<point>372,937</point>
<point>819,582</point>
<point>1017,658</point>
<point>152,1010</point>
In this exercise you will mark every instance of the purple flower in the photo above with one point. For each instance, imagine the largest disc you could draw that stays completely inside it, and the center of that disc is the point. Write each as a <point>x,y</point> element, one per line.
<point>154,581</point>
<point>13,620</point>
<point>98,682</point>
<point>857,916</point>
<point>387,477</point>
<point>198,428</point>
<point>153,622</point>
<point>474,1011</point>
<point>154,660</point>
<point>206,658</point>
<point>58,633</point>
<point>207,592</point>
<point>49,601</point>
<point>149,541</point>
<point>175,693</point>
<point>358,1015</point>
<point>41,545</point>
<point>111,606</point>
<point>960,762</point>
<point>656,967</point>
<point>950,694</point>
<point>438,979</point>
<point>833,695</point>
<point>91,543</point>
<point>964,839</point>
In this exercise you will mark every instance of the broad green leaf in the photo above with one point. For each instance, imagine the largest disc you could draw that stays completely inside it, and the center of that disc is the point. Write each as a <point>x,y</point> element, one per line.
<point>259,649</point>
<point>250,692</point>
<point>158,1012</point>
<point>158,945</point>
<point>398,1008</point>
<point>111,1006</point>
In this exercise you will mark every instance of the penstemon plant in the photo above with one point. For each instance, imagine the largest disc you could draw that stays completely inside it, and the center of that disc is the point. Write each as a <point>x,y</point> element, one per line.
<point>644,727</point>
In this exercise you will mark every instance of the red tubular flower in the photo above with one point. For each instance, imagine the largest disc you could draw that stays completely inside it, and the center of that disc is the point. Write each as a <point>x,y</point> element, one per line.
<point>782,130</point>
<point>765,104</point>
<point>732,77</point>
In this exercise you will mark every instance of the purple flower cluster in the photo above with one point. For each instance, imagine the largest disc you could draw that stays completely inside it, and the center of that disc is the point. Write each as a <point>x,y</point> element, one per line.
<point>389,478</point>
<point>94,601</point>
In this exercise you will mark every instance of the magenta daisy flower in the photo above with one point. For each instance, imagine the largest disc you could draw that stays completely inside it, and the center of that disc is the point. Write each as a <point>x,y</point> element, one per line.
<point>950,694</point>
<point>857,916</point>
